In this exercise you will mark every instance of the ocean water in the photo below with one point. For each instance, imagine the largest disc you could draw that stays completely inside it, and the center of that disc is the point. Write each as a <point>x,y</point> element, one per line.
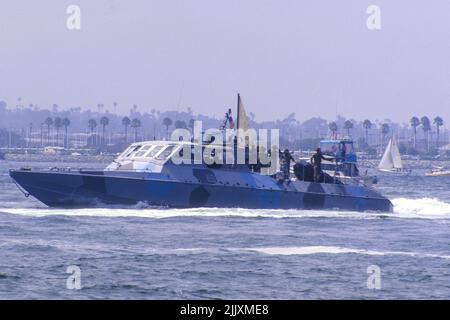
<point>142,252</point>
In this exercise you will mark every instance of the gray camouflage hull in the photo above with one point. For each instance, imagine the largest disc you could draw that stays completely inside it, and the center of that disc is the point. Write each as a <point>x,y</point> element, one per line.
<point>202,188</point>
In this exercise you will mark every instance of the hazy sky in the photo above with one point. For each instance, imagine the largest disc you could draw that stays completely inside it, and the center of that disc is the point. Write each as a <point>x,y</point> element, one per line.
<point>314,58</point>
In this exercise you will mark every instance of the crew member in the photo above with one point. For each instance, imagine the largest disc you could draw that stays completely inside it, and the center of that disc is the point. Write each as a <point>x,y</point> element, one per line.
<point>316,161</point>
<point>286,158</point>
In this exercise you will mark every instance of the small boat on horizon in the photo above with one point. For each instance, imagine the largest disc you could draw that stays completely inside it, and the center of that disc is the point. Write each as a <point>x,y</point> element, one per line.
<point>391,162</point>
<point>438,172</point>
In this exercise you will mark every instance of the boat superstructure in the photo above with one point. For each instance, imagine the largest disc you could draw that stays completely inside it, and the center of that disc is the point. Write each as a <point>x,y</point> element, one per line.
<point>345,163</point>
<point>146,172</point>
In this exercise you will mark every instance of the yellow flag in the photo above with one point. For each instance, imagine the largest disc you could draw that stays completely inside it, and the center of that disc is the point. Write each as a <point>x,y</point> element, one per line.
<point>242,124</point>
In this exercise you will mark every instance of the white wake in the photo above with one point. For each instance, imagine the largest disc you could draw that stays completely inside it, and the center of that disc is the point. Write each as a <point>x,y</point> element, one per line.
<point>429,208</point>
<point>424,208</point>
<point>308,250</point>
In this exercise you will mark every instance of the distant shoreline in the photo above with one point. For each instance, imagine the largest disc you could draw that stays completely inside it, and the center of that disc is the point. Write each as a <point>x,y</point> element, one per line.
<point>409,164</point>
<point>58,158</point>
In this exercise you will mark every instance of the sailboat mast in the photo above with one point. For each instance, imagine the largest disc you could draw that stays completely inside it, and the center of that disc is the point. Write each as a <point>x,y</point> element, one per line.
<point>238,110</point>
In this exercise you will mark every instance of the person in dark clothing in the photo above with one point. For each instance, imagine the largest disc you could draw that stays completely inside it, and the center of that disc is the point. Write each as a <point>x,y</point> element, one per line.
<point>286,159</point>
<point>316,161</point>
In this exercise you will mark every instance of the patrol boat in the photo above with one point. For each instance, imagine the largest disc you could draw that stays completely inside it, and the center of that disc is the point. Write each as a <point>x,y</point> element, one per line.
<point>145,173</point>
<point>148,172</point>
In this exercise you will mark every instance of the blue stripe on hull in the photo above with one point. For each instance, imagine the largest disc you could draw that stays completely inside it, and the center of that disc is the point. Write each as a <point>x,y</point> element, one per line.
<point>80,190</point>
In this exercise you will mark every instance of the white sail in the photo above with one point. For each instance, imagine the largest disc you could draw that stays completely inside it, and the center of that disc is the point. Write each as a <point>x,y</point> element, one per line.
<point>391,158</point>
<point>387,162</point>
<point>396,159</point>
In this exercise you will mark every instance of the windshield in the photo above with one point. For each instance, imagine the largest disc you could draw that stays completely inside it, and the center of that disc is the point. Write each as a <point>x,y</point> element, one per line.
<point>143,151</point>
<point>329,148</point>
<point>130,152</point>
<point>154,151</point>
<point>165,153</point>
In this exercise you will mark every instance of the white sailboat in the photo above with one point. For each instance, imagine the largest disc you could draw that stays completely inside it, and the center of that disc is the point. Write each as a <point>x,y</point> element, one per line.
<point>391,161</point>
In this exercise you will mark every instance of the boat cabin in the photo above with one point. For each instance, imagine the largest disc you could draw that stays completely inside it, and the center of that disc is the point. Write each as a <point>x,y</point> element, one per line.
<point>341,149</point>
<point>153,155</point>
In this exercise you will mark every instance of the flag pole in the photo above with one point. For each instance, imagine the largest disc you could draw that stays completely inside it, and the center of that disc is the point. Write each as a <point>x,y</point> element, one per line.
<point>238,110</point>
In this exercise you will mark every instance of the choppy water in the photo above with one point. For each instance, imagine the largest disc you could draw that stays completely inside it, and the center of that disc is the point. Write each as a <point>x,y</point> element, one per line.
<point>151,253</point>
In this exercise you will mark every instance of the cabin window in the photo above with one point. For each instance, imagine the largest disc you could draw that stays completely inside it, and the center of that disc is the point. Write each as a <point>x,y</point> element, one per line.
<point>154,151</point>
<point>143,151</point>
<point>329,148</point>
<point>165,153</point>
<point>132,151</point>
<point>127,150</point>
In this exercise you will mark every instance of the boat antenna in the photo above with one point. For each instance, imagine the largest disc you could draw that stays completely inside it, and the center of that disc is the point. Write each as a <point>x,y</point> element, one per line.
<point>226,120</point>
<point>238,110</point>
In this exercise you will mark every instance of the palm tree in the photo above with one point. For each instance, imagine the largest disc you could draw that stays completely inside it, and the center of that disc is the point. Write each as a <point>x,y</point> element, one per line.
<point>348,125</point>
<point>414,124</point>
<point>384,131</point>
<point>367,124</point>
<point>104,121</point>
<point>19,103</point>
<point>58,124</point>
<point>426,127</point>
<point>92,123</point>
<point>191,124</point>
<point>136,123</point>
<point>66,124</point>
<point>167,122</point>
<point>180,124</point>
<point>49,123</point>
<point>333,128</point>
<point>438,122</point>
<point>126,122</point>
